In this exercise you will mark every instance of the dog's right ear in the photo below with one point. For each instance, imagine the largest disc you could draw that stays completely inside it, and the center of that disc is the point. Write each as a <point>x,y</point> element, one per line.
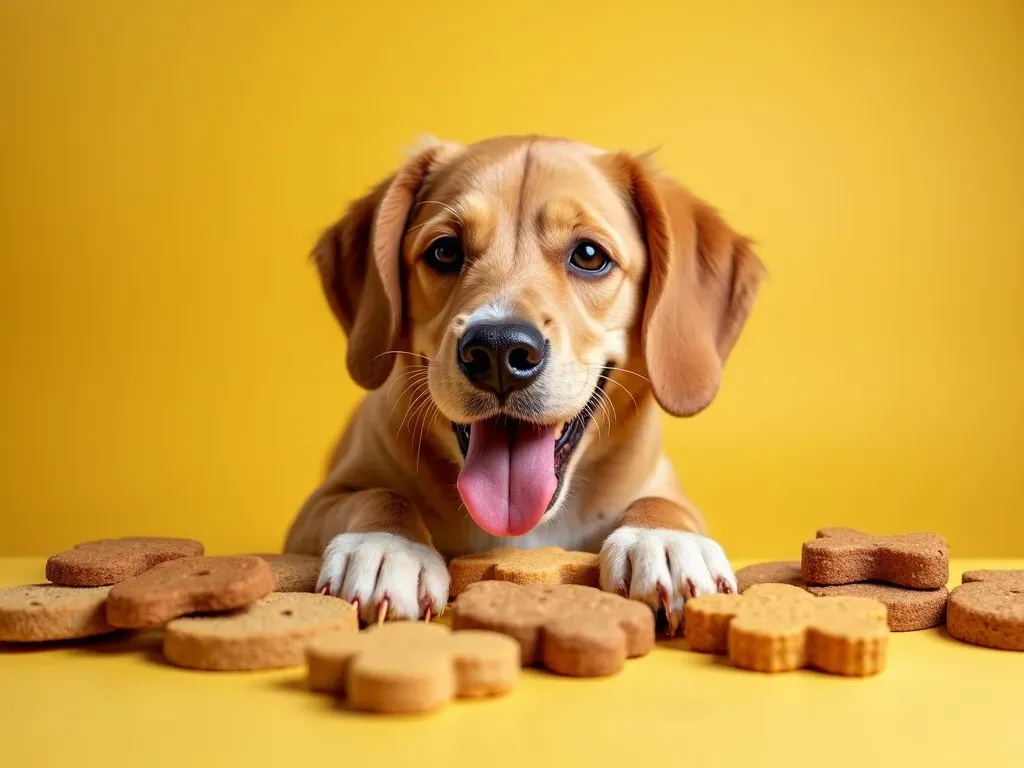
<point>359,259</point>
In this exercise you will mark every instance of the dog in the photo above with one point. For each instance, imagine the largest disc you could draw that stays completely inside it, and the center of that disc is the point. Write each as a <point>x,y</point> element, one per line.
<point>521,310</point>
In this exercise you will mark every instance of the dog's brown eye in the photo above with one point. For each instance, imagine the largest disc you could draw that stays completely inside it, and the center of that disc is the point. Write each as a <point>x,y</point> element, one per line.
<point>444,255</point>
<point>590,259</point>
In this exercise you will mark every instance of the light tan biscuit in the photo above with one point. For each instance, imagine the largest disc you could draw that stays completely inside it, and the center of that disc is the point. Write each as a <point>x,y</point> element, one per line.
<point>779,627</point>
<point>406,667</point>
<point>988,609</point>
<point>568,629</point>
<point>547,565</point>
<point>908,609</point>
<point>188,585</point>
<point>846,556</point>
<point>42,612</point>
<point>108,561</point>
<point>293,573</point>
<point>269,634</point>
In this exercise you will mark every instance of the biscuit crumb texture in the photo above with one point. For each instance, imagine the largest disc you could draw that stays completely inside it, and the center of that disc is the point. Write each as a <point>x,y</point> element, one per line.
<point>269,634</point>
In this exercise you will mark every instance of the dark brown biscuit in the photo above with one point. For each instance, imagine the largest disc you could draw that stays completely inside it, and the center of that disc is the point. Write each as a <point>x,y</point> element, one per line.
<point>568,628</point>
<point>188,585</point>
<point>294,573</point>
<point>42,612</point>
<point>269,634</point>
<point>783,572</point>
<point>845,556</point>
<point>108,561</point>
<point>988,609</point>
<point>909,609</point>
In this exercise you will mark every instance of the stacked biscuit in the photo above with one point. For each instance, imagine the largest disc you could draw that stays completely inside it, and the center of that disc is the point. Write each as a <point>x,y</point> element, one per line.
<point>257,612</point>
<point>235,612</point>
<point>906,573</point>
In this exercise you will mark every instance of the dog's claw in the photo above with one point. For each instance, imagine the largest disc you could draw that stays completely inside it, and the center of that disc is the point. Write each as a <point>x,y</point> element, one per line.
<point>622,589</point>
<point>382,611</point>
<point>674,620</point>
<point>724,586</point>
<point>426,615</point>
<point>325,589</point>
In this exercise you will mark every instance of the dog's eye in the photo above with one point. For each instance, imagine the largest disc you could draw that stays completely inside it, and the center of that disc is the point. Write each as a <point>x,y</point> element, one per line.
<point>590,259</point>
<point>445,255</point>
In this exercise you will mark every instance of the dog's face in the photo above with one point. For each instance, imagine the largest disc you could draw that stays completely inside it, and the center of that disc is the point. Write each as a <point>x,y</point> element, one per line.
<point>523,275</point>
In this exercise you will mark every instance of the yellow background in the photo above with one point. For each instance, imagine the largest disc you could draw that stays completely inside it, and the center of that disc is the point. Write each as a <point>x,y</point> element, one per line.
<point>169,366</point>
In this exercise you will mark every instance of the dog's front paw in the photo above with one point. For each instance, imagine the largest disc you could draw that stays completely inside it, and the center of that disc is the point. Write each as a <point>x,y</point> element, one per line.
<point>385,575</point>
<point>663,568</point>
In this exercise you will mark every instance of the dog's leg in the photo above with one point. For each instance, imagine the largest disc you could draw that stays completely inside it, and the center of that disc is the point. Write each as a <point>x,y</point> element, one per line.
<point>659,556</point>
<point>376,552</point>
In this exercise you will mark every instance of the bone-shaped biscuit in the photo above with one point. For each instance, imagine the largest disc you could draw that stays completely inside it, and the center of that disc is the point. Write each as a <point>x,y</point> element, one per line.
<point>547,565</point>
<point>779,627</point>
<point>846,556</point>
<point>403,667</point>
<point>568,628</point>
<point>109,561</point>
<point>988,609</point>
<point>909,609</point>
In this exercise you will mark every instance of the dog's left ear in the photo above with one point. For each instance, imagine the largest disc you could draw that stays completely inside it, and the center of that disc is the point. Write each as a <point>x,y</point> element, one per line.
<point>701,284</point>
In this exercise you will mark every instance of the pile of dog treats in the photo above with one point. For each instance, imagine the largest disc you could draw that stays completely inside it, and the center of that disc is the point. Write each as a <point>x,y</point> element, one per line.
<point>513,608</point>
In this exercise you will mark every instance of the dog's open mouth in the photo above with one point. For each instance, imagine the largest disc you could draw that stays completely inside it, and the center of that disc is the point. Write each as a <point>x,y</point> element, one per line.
<point>513,468</point>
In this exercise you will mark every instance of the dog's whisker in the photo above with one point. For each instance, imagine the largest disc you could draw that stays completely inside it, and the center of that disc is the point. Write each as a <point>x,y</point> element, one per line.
<point>624,388</point>
<point>603,397</point>
<point>424,389</point>
<point>430,416</point>
<point>419,385</point>
<point>622,370</point>
<point>403,352</point>
<point>423,373</point>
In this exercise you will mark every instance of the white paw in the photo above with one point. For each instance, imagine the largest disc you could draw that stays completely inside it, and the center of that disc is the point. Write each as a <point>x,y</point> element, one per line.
<point>663,568</point>
<point>371,568</point>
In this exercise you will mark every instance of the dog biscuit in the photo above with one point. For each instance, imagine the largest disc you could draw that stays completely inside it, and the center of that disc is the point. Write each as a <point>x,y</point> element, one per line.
<point>43,612</point>
<point>108,561</point>
<point>988,609</point>
<point>269,634</point>
<point>567,628</point>
<point>405,667</point>
<point>293,573</point>
<point>908,609</point>
<point>779,627</point>
<point>845,556</point>
<point>547,565</point>
<point>188,585</point>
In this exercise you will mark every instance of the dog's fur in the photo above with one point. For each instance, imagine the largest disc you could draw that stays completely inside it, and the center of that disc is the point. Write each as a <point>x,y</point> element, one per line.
<point>665,319</point>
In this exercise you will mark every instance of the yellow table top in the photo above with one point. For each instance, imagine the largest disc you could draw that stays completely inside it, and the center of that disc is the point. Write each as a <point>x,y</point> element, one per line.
<point>114,702</point>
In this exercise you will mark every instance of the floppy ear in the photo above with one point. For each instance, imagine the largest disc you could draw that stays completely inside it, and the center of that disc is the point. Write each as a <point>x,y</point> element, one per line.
<point>701,284</point>
<point>360,264</point>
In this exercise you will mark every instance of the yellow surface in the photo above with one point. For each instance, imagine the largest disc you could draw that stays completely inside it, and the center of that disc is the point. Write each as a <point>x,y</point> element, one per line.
<point>115,703</point>
<point>169,365</point>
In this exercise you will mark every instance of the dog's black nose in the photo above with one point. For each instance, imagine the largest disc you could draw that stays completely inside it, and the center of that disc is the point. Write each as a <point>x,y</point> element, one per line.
<point>502,358</point>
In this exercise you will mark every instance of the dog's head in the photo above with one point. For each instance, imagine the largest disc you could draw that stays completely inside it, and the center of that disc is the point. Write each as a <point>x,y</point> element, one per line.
<point>521,275</point>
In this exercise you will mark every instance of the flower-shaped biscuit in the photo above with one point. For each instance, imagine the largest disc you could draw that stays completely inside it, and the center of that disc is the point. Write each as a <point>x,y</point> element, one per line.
<point>404,667</point>
<point>778,627</point>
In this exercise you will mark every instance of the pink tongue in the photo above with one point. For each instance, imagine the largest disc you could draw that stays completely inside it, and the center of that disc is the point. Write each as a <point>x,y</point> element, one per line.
<point>509,476</point>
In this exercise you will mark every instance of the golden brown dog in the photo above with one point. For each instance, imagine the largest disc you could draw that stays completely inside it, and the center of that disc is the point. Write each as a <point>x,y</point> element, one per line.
<point>519,309</point>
